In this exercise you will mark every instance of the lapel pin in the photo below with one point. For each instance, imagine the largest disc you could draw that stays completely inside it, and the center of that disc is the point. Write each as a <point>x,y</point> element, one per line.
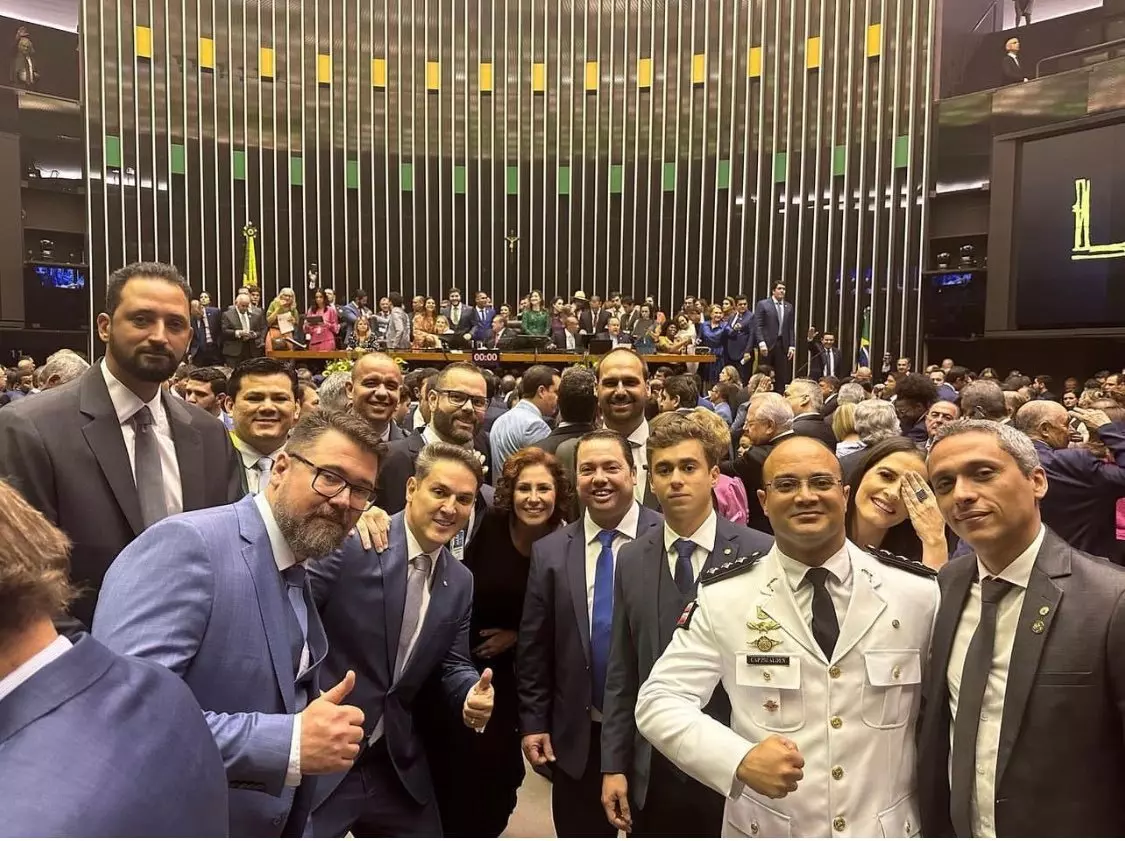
<point>894,623</point>
<point>1044,610</point>
<point>726,551</point>
<point>771,705</point>
<point>1037,626</point>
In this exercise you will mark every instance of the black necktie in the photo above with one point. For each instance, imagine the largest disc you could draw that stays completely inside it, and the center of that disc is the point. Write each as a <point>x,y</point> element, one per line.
<point>974,679</point>
<point>825,623</point>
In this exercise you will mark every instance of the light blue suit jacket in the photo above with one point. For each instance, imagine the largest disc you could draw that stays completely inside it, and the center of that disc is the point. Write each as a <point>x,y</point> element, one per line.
<point>200,593</point>
<point>95,744</point>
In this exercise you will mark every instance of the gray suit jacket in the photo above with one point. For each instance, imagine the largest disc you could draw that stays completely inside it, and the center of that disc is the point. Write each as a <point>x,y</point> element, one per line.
<point>1060,770</point>
<point>91,710</point>
<point>646,606</point>
<point>201,595</point>
<point>63,451</point>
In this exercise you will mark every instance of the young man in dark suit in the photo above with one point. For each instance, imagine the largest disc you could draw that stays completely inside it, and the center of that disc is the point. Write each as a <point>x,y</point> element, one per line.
<point>1027,663</point>
<point>110,453</point>
<point>642,793</point>
<point>565,636</point>
<point>777,341</point>
<point>415,640</point>
<point>480,318</point>
<point>827,361</point>
<point>206,332</point>
<point>70,710</point>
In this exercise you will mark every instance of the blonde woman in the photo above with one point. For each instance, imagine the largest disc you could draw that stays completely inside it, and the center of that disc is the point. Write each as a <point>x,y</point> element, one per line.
<point>281,316</point>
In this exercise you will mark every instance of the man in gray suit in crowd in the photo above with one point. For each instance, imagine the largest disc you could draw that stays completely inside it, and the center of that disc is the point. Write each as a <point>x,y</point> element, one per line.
<point>1027,666</point>
<point>70,711</point>
<point>220,598</point>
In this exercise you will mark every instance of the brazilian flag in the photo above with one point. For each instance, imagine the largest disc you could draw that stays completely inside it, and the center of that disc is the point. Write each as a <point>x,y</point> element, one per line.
<point>864,359</point>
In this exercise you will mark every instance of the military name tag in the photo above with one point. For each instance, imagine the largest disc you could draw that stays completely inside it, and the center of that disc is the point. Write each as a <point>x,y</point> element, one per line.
<point>763,660</point>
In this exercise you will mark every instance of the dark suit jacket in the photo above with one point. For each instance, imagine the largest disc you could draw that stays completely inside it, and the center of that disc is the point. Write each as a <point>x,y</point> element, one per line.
<point>199,335</point>
<point>243,348</point>
<point>63,450</point>
<point>496,407</point>
<point>819,364</point>
<point>748,468</point>
<point>1082,492</point>
<point>481,326</point>
<point>813,426</point>
<point>397,466</point>
<point>1013,71</point>
<point>462,326</point>
<point>766,326</point>
<point>738,340</point>
<point>361,597</point>
<point>1063,703</point>
<point>553,657</point>
<point>91,710</point>
<point>646,606</point>
<point>550,444</point>
<point>558,338</point>
<point>587,322</point>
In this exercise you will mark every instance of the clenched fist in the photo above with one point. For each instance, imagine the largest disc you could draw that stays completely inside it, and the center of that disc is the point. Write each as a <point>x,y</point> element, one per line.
<point>773,768</point>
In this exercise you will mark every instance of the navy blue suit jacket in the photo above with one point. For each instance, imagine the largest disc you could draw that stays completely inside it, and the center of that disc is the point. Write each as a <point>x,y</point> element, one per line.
<point>96,744</point>
<point>201,595</point>
<point>199,336</point>
<point>481,327</point>
<point>767,328</point>
<point>739,339</point>
<point>1082,492</point>
<point>553,657</point>
<point>361,597</point>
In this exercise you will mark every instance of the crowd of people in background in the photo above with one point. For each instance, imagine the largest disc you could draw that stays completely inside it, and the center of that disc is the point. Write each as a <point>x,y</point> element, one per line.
<point>386,589</point>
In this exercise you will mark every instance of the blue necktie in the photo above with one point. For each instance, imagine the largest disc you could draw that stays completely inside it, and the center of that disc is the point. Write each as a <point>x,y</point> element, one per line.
<point>603,614</point>
<point>295,588</point>
<point>685,575</point>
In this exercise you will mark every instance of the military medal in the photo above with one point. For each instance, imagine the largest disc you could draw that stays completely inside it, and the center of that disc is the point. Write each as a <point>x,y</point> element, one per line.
<point>765,644</point>
<point>771,706</point>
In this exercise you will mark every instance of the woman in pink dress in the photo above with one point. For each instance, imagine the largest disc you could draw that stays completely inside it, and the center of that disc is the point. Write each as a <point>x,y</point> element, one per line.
<point>321,323</point>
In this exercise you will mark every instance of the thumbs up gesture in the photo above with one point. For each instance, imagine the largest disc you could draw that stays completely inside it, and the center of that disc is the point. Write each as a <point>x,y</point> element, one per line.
<point>331,731</point>
<point>478,703</point>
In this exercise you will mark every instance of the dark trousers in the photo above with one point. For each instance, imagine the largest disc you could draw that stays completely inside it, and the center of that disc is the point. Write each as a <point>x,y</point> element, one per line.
<point>777,357</point>
<point>371,802</point>
<point>576,805</point>
<point>676,805</point>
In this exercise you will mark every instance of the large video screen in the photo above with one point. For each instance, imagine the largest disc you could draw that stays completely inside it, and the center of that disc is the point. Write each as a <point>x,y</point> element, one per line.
<point>1069,232</point>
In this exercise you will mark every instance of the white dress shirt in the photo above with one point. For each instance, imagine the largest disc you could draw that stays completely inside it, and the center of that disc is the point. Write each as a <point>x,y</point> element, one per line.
<point>1018,573</point>
<point>126,404</point>
<point>24,672</point>
<point>639,436</point>
<point>704,540</point>
<point>284,558</point>
<point>626,531</point>
<point>838,583</point>
<point>413,550</point>
<point>250,458</point>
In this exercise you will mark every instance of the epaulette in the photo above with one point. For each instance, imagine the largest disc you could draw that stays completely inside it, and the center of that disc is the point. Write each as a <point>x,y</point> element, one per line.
<point>899,562</point>
<point>729,569</point>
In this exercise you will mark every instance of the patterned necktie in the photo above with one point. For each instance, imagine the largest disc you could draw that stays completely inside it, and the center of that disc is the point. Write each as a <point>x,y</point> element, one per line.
<point>825,623</point>
<point>685,575</point>
<point>602,620</point>
<point>149,474</point>
<point>974,680</point>
<point>416,579</point>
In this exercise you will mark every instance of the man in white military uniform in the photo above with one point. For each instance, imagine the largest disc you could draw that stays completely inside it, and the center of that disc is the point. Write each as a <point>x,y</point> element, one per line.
<point>821,649</point>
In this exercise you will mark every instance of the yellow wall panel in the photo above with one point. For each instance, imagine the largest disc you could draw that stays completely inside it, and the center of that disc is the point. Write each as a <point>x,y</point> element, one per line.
<point>143,39</point>
<point>754,62</point>
<point>644,72</point>
<point>698,68</point>
<point>874,40</point>
<point>379,72</point>
<point>592,76</point>
<point>539,76</point>
<point>324,69</point>
<point>207,53</point>
<point>812,52</point>
<point>486,77</point>
<point>266,61</point>
<point>433,75</point>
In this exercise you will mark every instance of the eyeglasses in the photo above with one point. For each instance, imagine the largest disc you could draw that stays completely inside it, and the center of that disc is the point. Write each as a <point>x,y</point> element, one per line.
<point>460,398</point>
<point>789,485</point>
<point>329,485</point>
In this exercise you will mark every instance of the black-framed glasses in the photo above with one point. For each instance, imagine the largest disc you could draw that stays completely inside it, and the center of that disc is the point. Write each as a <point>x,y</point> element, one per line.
<point>460,398</point>
<point>328,484</point>
<point>789,485</point>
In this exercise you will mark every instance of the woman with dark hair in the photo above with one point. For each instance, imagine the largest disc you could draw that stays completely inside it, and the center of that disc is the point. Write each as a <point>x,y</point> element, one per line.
<point>532,494</point>
<point>893,507</point>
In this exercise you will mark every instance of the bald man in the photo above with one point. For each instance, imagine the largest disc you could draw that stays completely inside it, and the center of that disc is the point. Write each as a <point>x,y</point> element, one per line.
<point>1082,489</point>
<point>373,392</point>
<point>815,631</point>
